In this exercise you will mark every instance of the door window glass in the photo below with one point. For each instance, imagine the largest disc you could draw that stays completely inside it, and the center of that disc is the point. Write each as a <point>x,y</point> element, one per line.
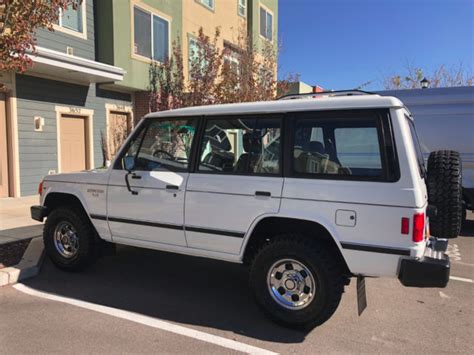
<point>164,145</point>
<point>241,146</point>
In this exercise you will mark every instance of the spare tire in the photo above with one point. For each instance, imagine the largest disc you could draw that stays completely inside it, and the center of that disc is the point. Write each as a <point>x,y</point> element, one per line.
<point>445,192</point>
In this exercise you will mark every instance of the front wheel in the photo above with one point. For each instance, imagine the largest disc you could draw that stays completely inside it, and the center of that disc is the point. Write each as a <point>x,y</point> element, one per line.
<point>297,281</point>
<point>69,238</point>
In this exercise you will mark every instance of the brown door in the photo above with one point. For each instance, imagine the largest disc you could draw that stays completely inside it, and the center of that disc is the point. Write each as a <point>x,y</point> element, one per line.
<point>73,143</point>
<point>119,128</point>
<point>3,149</point>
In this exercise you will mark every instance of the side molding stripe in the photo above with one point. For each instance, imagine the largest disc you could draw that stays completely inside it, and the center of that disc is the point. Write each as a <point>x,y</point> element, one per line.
<point>375,249</point>
<point>214,231</point>
<point>169,226</point>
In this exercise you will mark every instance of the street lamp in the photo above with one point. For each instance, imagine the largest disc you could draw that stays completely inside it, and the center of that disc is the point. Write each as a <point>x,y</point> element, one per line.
<point>425,83</point>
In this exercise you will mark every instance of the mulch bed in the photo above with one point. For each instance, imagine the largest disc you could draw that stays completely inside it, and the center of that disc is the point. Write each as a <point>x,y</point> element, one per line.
<point>11,253</point>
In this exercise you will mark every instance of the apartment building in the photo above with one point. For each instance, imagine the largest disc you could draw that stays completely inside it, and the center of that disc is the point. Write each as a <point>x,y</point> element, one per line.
<point>139,31</point>
<point>91,74</point>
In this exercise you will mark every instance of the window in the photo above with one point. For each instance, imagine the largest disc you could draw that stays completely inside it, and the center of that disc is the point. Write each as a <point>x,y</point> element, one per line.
<point>72,19</point>
<point>241,146</point>
<point>207,3</point>
<point>266,24</point>
<point>340,146</point>
<point>197,61</point>
<point>231,58</point>
<point>162,145</point>
<point>242,6</point>
<point>151,35</point>
<point>418,150</point>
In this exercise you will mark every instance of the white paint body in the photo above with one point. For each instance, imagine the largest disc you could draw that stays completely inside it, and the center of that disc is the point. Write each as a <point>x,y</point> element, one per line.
<point>228,202</point>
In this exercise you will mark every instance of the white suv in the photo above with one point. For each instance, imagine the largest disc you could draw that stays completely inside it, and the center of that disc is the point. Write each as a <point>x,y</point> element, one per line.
<point>307,192</point>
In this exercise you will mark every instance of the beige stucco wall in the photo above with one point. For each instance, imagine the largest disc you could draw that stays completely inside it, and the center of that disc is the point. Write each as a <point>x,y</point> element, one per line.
<point>225,16</point>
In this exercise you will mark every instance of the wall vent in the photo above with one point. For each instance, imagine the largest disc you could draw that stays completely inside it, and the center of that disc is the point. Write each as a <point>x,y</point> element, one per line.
<point>70,51</point>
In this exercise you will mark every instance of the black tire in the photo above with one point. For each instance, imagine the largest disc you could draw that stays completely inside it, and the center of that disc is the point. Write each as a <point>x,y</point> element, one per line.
<point>445,192</point>
<point>325,268</point>
<point>86,236</point>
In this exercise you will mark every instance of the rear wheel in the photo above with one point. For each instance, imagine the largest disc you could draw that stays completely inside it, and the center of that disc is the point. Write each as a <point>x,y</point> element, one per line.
<point>297,281</point>
<point>445,192</point>
<point>69,238</point>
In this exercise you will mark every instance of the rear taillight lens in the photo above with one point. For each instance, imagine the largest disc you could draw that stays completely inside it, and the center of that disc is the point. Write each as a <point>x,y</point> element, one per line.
<point>40,188</point>
<point>418,227</point>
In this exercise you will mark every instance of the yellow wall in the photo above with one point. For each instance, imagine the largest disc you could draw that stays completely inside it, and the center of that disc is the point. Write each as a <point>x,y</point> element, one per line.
<point>225,16</point>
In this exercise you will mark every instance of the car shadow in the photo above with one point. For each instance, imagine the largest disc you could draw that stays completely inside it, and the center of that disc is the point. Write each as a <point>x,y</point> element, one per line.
<point>177,288</point>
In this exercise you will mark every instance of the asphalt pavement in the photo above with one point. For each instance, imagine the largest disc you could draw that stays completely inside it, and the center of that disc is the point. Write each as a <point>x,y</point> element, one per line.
<point>213,297</point>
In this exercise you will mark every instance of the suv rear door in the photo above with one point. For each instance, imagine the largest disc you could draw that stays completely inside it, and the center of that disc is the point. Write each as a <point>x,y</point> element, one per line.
<point>238,178</point>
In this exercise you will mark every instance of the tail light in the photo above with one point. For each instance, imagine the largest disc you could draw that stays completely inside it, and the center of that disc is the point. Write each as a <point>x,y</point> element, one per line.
<point>418,227</point>
<point>40,188</point>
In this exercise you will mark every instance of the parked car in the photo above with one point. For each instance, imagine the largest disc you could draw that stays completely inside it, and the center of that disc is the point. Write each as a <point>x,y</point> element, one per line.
<point>308,193</point>
<point>445,121</point>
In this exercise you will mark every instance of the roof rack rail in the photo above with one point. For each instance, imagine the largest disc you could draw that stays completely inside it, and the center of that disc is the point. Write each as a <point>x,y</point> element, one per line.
<point>326,93</point>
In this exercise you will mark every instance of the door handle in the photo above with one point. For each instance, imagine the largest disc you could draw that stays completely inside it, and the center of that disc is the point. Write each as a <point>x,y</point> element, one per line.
<point>263,193</point>
<point>172,187</point>
<point>133,192</point>
<point>135,176</point>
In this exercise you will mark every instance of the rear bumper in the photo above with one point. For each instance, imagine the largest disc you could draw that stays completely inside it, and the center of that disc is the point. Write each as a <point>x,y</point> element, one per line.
<point>432,270</point>
<point>38,213</point>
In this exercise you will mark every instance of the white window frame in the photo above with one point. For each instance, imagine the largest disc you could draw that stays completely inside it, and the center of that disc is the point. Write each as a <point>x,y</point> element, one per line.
<point>242,4</point>
<point>152,13</point>
<point>58,26</point>
<point>212,8</point>
<point>267,10</point>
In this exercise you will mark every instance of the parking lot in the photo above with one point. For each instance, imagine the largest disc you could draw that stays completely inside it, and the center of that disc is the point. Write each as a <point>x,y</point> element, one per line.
<point>155,302</point>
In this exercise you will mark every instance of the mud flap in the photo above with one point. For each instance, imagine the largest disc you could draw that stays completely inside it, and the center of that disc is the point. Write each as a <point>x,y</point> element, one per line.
<point>361,295</point>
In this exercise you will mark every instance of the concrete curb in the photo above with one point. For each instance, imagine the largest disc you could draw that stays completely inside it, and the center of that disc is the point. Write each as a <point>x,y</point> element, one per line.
<point>29,265</point>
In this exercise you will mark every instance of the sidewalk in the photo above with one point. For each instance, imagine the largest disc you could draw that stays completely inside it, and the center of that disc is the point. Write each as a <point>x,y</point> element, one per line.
<point>15,221</point>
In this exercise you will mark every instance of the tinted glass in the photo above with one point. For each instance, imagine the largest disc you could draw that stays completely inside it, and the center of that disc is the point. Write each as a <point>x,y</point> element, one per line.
<point>72,18</point>
<point>263,22</point>
<point>165,145</point>
<point>142,31</point>
<point>337,147</point>
<point>160,39</point>
<point>241,146</point>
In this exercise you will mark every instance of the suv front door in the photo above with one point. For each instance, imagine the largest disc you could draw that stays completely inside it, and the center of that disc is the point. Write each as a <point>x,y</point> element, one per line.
<point>155,163</point>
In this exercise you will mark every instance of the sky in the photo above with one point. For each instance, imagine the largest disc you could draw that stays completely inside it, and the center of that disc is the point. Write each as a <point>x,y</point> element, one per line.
<point>341,44</point>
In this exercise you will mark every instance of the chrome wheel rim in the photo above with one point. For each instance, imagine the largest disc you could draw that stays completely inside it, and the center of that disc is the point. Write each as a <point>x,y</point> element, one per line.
<point>66,240</point>
<point>291,284</point>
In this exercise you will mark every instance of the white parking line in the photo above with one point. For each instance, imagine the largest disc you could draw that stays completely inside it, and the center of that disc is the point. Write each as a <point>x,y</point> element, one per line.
<point>461,279</point>
<point>149,321</point>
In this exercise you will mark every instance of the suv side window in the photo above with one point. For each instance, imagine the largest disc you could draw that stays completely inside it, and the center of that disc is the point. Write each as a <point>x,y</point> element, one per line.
<point>163,145</point>
<point>339,147</point>
<point>241,146</point>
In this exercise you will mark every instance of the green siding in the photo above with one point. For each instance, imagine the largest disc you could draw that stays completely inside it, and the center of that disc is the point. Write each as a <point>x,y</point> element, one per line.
<point>254,21</point>
<point>38,97</point>
<point>119,40</point>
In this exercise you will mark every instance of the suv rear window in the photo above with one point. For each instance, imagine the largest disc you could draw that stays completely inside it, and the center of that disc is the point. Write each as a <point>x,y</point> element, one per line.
<point>339,145</point>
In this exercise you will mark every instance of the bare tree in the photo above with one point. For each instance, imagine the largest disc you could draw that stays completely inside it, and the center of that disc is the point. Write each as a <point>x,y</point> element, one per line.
<point>441,76</point>
<point>239,72</point>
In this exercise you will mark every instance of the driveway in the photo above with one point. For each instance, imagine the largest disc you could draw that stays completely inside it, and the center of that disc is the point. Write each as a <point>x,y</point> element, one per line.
<point>212,297</point>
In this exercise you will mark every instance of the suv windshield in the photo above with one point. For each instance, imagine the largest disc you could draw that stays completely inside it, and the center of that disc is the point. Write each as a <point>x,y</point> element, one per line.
<point>416,143</point>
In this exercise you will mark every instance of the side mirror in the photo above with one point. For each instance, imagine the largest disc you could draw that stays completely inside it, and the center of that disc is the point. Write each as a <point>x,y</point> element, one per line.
<point>129,163</point>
